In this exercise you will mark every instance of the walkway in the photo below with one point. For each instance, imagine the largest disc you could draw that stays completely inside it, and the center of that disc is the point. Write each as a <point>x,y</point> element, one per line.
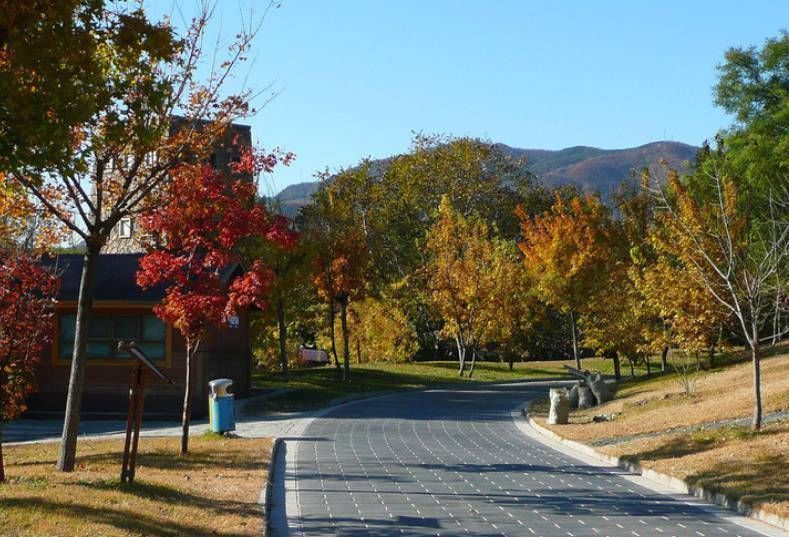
<point>449,462</point>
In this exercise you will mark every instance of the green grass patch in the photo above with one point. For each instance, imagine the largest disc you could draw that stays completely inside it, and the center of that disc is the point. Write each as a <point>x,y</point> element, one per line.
<point>317,387</point>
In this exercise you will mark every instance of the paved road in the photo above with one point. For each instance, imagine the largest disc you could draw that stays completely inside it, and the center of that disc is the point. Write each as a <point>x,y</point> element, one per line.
<point>455,463</point>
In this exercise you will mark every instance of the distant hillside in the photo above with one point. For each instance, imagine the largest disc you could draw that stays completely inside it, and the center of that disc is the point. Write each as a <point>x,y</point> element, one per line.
<point>293,197</point>
<point>590,168</point>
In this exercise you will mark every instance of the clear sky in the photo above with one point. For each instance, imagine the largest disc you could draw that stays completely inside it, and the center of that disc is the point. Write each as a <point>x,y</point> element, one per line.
<point>355,78</point>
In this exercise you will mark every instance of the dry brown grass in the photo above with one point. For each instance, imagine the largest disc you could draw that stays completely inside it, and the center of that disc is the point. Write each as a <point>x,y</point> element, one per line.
<point>212,491</point>
<point>650,405</point>
<point>733,460</point>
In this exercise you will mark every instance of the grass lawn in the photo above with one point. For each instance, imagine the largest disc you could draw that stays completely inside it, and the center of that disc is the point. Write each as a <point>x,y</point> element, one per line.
<point>213,491</point>
<point>732,459</point>
<point>317,387</point>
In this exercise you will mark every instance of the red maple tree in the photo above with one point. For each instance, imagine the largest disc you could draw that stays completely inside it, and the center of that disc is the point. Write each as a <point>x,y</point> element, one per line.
<point>195,236</point>
<point>27,304</point>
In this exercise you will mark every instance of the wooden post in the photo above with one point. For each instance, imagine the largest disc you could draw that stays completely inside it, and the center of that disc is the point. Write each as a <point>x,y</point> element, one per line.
<point>136,399</point>
<point>133,422</point>
<point>137,423</point>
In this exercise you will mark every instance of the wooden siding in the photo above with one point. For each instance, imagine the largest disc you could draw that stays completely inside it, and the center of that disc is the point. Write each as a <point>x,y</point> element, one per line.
<point>224,353</point>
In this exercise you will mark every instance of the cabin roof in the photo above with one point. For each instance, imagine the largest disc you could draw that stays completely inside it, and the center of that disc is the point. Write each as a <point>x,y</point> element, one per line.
<point>115,277</point>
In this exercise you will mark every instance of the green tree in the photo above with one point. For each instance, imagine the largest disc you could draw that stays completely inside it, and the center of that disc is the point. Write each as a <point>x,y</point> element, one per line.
<point>753,86</point>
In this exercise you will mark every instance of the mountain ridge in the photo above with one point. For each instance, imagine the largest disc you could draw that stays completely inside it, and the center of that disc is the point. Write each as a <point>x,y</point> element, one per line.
<point>591,168</point>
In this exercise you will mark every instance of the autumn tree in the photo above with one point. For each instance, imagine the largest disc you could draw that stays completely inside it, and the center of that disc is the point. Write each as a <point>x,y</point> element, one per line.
<point>566,251</point>
<point>195,237</point>
<point>339,279</point>
<point>380,331</point>
<point>288,260</point>
<point>467,273</point>
<point>107,83</point>
<point>338,225</point>
<point>753,86</point>
<point>613,321</point>
<point>731,249</point>
<point>27,297</point>
<point>27,305</point>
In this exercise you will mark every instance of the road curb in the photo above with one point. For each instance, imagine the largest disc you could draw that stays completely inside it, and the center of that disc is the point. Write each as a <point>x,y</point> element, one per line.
<point>265,494</point>
<point>669,481</point>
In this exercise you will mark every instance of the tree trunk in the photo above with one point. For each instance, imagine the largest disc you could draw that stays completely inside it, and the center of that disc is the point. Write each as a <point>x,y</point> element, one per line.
<point>632,368</point>
<point>664,359</point>
<point>473,361</point>
<point>346,352</point>
<point>617,366</point>
<point>712,356</point>
<point>777,328</point>
<point>331,333</point>
<point>756,424</point>
<point>358,351</point>
<point>191,351</point>
<point>283,339</point>
<point>649,365</point>
<point>574,330</point>
<point>2,463</point>
<point>512,361</point>
<point>68,441</point>
<point>461,355</point>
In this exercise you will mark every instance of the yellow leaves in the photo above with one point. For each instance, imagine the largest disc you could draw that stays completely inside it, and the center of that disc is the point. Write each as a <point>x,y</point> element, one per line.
<point>566,249</point>
<point>24,223</point>
<point>467,274</point>
<point>380,331</point>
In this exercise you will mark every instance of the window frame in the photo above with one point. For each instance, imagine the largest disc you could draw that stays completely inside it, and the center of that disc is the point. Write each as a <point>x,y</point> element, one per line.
<point>125,221</point>
<point>112,311</point>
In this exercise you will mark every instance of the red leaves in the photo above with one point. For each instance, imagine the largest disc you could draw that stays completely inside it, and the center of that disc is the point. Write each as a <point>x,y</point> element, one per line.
<point>27,297</point>
<point>250,289</point>
<point>203,218</point>
<point>254,163</point>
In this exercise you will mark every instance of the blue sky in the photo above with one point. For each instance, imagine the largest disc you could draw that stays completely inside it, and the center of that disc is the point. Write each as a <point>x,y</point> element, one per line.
<point>355,78</point>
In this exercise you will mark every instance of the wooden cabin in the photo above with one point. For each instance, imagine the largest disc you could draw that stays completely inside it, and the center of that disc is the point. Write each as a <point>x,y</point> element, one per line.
<point>122,311</point>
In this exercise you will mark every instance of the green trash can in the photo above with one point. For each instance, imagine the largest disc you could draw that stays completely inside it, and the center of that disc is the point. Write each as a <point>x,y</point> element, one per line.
<point>221,406</point>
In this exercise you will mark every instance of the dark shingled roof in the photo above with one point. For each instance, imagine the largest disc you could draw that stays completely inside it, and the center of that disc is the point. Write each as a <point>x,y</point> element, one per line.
<point>115,278</point>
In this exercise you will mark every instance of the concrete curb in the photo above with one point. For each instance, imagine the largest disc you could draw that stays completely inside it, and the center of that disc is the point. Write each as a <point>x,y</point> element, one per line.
<point>265,494</point>
<point>671,482</point>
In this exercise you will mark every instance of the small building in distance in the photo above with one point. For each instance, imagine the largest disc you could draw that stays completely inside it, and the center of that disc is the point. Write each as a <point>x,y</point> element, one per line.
<point>123,311</point>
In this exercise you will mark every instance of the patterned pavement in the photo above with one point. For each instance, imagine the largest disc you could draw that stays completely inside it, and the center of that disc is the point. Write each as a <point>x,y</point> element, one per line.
<point>449,462</point>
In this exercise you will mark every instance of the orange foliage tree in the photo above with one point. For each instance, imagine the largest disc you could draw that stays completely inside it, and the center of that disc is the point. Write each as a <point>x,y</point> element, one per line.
<point>567,251</point>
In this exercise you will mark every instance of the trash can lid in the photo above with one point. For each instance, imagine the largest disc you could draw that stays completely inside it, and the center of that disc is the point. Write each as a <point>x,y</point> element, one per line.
<point>220,382</point>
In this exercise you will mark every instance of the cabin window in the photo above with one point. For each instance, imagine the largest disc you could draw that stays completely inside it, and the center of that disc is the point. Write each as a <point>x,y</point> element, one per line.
<point>106,330</point>
<point>125,228</point>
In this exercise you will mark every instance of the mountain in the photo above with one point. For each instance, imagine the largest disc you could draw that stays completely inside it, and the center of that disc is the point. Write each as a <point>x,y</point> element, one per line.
<point>294,197</point>
<point>590,168</point>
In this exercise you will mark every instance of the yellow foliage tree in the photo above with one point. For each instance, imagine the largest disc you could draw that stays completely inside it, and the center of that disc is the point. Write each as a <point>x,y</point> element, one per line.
<point>566,251</point>
<point>380,332</point>
<point>468,275</point>
<point>734,247</point>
